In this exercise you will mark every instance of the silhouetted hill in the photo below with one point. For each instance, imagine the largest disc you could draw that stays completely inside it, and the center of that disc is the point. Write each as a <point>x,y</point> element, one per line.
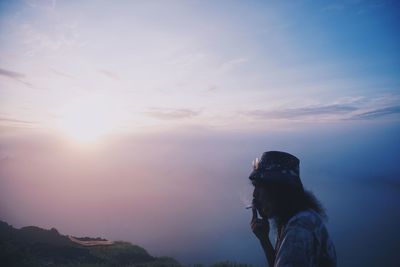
<point>34,246</point>
<point>86,238</point>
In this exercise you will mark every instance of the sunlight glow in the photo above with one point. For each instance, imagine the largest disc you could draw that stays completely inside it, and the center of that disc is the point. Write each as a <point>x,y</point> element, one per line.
<point>88,119</point>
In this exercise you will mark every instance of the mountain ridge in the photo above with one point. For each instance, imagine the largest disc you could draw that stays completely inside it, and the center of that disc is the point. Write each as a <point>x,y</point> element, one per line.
<point>35,246</point>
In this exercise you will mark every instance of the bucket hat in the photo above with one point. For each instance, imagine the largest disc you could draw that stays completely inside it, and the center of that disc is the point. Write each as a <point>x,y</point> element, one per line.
<point>276,166</point>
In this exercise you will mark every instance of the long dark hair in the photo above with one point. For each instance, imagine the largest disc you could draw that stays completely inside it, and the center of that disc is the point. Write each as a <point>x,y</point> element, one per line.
<point>288,200</point>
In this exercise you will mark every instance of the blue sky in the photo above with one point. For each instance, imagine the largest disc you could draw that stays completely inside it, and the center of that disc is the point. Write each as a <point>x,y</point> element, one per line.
<point>106,105</point>
<point>228,65</point>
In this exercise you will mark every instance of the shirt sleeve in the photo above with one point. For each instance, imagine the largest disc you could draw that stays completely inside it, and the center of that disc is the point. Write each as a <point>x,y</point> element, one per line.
<point>296,248</point>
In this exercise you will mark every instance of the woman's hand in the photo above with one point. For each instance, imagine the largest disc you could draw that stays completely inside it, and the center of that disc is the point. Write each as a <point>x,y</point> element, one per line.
<point>260,227</point>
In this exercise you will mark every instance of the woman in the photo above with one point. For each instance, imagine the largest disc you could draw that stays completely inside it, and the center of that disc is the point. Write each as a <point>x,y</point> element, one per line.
<point>302,238</point>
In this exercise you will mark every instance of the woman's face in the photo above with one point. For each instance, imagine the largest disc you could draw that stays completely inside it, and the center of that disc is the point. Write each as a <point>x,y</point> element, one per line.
<point>264,202</point>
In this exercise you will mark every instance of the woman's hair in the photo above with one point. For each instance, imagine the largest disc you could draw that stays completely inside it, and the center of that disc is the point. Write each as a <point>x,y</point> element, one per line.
<point>288,200</point>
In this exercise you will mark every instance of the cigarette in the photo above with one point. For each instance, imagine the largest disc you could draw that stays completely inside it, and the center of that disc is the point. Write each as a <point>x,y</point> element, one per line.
<point>249,207</point>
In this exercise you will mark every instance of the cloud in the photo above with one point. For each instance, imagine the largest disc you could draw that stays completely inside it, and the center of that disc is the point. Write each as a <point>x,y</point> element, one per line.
<point>171,114</point>
<point>351,109</point>
<point>231,64</point>
<point>377,113</point>
<point>16,76</point>
<point>46,4</point>
<point>210,89</point>
<point>110,74</point>
<point>39,40</point>
<point>293,113</point>
<point>63,74</point>
<point>7,121</point>
<point>11,74</point>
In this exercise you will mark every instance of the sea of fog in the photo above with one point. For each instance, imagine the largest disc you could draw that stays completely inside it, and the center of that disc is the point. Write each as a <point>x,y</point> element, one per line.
<point>183,194</point>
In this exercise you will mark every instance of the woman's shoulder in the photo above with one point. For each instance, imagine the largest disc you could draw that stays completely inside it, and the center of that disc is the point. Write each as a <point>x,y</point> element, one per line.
<point>306,220</point>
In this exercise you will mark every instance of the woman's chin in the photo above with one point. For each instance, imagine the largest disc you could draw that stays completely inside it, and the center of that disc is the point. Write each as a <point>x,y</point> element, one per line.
<point>265,215</point>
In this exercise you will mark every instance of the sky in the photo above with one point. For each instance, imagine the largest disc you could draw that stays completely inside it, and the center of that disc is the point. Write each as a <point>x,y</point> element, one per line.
<point>138,120</point>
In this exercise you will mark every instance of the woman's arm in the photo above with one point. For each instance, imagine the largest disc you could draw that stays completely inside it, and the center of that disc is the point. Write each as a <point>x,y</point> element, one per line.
<point>269,252</point>
<point>260,228</point>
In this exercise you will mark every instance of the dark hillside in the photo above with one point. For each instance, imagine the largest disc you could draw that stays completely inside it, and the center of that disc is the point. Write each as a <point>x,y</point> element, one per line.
<point>34,246</point>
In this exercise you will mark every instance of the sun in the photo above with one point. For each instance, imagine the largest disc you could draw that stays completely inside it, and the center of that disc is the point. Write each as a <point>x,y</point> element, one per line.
<point>88,119</point>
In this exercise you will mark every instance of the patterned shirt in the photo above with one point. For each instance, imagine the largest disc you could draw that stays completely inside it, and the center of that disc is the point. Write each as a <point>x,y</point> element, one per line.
<point>304,241</point>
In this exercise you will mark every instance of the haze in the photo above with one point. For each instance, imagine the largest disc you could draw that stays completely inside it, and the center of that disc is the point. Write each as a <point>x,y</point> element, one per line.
<point>138,120</point>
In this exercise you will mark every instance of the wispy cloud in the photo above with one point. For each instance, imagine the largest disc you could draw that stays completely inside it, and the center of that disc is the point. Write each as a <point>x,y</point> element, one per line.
<point>16,76</point>
<point>377,113</point>
<point>340,109</point>
<point>210,89</point>
<point>11,74</point>
<point>230,64</point>
<point>8,121</point>
<point>63,74</point>
<point>293,113</point>
<point>110,74</point>
<point>48,4</point>
<point>38,40</point>
<point>171,113</point>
